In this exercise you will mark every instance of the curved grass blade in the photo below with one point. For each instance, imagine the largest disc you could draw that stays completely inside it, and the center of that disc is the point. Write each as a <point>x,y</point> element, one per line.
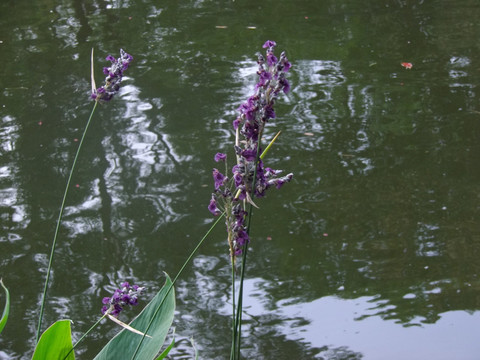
<point>6,309</point>
<point>167,350</point>
<point>92,76</point>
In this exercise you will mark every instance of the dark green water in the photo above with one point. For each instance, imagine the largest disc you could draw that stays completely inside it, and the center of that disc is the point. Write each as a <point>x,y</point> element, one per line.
<point>371,252</point>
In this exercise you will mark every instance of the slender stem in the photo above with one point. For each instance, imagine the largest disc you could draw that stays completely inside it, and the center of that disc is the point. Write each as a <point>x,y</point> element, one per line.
<point>234,328</point>
<point>175,280</point>
<point>240,301</point>
<point>238,321</point>
<point>85,334</point>
<point>57,228</point>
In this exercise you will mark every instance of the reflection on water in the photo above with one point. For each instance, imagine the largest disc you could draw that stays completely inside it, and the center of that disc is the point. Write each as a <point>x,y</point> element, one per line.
<point>374,244</point>
<point>333,322</point>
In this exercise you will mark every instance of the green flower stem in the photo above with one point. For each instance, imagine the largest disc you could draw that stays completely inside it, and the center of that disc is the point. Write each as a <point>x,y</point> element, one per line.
<point>55,237</point>
<point>176,278</point>
<point>234,327</point>
<point>238,320</point>
<point>85,334</point>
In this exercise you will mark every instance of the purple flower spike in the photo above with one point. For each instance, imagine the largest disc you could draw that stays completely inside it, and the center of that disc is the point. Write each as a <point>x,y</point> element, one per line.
<point>250,178</point>
<point>114,77</point>
<point>126,295</point>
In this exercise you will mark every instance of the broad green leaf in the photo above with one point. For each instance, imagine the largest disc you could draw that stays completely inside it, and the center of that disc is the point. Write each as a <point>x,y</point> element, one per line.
<point>55,343</point>
<point>157,317</point>
<point>6,309</point>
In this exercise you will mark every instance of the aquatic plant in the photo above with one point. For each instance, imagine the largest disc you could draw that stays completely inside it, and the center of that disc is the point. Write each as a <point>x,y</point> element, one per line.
<point>250,178</point>
<point>232,200</point>
<point>157,316</point>
<point>104,93</point>
<point>113,79</point>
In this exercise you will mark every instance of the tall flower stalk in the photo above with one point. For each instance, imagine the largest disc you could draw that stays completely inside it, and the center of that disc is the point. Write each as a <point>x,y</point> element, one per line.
<point>105,93</point>
<point>250,178</point>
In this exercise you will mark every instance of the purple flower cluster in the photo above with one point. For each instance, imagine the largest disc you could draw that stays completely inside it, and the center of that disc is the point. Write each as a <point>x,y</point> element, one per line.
<point>239,233</point>
<point>126,295</point>
<point>114,77</point>
<point>254,114</point>
<point>249,176</point>
<point>258,108</point>
<point>235,214</point>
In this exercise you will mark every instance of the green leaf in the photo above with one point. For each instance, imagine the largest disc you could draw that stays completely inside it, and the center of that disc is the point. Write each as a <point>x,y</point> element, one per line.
<point>154,320</point>
<point>55,343</point>
<point>6,309</point>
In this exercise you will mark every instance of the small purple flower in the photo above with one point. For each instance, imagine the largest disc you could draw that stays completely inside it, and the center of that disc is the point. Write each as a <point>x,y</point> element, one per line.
<point>220,157</point>
<point>250,130</point>
<point>269,113</point>
<point>271,59</point>
<point>125,295</point>
<point>249,155</point>
<point>269,44</point>
<point>278,182</point>
<point>285,84</point>
<point>264,77</point>
<point>236,123</point>
<point>111,58</point>
<point>212,207</point>
<point>237,175</point>
<point>240,238</point>
<point>219,178</point>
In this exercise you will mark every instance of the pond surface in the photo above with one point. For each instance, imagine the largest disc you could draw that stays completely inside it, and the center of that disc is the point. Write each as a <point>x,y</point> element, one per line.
<point>372,251</point>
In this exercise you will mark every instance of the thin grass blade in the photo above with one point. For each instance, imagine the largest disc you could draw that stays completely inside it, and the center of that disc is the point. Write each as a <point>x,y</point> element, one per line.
<point>92,76</point>
<point>6,309</point>
<point>167,350</point>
